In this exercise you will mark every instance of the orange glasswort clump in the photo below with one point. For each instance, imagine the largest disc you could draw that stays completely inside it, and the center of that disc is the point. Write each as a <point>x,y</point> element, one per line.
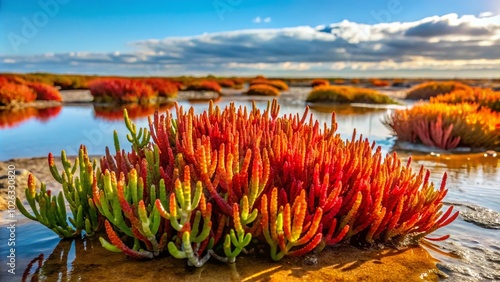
<point>227,83</point>
<point>263,89</point>
<point>14,93</point>
<point>447,126</point>
<point>347,94</point>
<point>121,90</point>
<point>430,89</point>
<point>319,82</point>
<point>276,83</point>
<point>45,92</point>
<point>379,83</point>
<point>482,96</point>
<point>204,85</point>
<point>163,87</point>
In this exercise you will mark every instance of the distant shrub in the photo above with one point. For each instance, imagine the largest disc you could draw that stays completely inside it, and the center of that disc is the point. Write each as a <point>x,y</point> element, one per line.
<point>163,87</point>
<point>45,92</point>
<point>482,96</point>
<point>339,81</point>
<point>430,89</point>
<point>12,78</point>
<point>379,83</point>
<point>447,126</point>
<point>276,83</point>
<point>204,85</point>
<point>347,94</point>
<point>239,81</point>
<point>121,90</point>
<point>319,82</point>
<point>355,81</point>
<point>13,93</point>
<point>263,90</point>
<point>227,83</point>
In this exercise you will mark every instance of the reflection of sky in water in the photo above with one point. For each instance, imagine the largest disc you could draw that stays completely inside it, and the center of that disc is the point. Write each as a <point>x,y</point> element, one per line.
<point>77,125</point>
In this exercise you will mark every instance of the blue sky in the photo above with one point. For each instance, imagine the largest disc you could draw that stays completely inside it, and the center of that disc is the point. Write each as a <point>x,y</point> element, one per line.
<point>125,36</point>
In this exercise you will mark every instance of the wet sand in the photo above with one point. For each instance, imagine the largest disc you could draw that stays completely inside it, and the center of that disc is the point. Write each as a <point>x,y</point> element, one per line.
<point>344,263</point>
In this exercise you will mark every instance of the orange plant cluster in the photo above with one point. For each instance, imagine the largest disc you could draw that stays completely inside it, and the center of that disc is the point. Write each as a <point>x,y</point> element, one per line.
<point>15,90</point>
<point>234,83</point>
<point>426,90</point>
<point>482,96</point>
<point>276,83</point>
<point>347,94</point>
<point>447,126</point>
<point>121,90</point>
<point>204,85</point>
<point>45,92</point>
<point>14,93</point>
<point>379,82</point>
<point>163,87</point>
<point>319,82</point>
<point>262,89</point>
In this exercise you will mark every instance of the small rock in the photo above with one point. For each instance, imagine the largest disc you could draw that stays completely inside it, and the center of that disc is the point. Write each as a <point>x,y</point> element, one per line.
<point>311,260</point>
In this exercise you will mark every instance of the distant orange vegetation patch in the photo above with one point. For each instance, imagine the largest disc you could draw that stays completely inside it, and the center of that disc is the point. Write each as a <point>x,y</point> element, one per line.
<point>482,96</point>
<point>430,89</point>
<point>319,82</point>
<point>163,87</point>
<point>447,126</point>
<point>276,83</point>
<point>204,85</point>
<point>15,93</point>
<point>379,82</point>
<point>13,83</point>
<point>347,94</point>
<point>45,92</point>
<point>121,90</point>
<point>263,90</point>
<point>226,83</point>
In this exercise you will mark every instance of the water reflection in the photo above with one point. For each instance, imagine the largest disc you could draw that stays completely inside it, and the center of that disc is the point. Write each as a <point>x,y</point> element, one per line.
<point>15,117</point>
<point>134,110</point>
<point>86,260</point>
<point>93,126</point>
<point>342,109</point>
<point>471,253</point>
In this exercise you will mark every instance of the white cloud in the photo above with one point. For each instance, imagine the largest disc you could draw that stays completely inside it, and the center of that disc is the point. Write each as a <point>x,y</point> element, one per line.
<point>485,14</point>
<point>449,44</point>
<point>259,20</point>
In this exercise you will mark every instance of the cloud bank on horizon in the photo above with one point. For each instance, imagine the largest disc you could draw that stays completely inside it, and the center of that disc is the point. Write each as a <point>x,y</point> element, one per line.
<point>447,46</point>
